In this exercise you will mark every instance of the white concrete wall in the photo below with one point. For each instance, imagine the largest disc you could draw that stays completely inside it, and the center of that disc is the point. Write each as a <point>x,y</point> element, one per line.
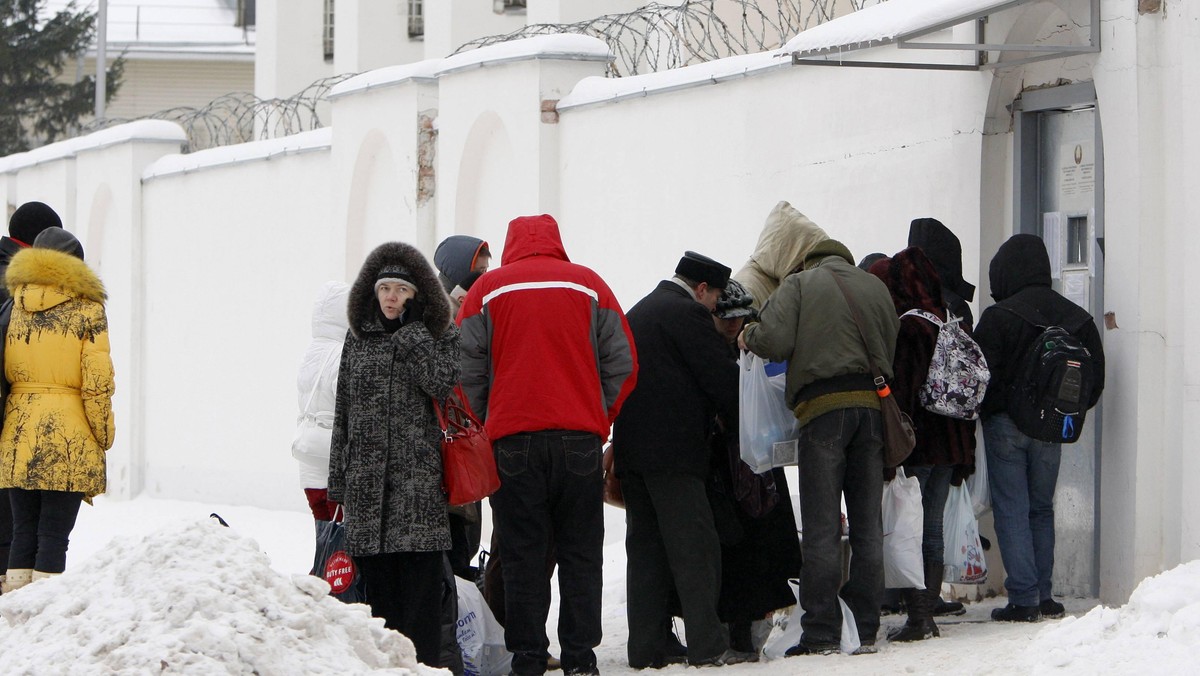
<point>371,34</point>
<point>234,243</point>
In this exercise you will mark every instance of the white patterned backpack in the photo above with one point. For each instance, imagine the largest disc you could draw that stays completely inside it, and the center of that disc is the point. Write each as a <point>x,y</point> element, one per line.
<point>958,374</point>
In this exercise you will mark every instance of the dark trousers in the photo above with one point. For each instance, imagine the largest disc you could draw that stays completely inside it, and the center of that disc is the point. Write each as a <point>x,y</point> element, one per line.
<point>6,529</point>
<point>465,533</point>
<point>42,523</point>
<point>551,495</point>
<point>671,545</point>
<point>841,452</point>
<point>405,589</point>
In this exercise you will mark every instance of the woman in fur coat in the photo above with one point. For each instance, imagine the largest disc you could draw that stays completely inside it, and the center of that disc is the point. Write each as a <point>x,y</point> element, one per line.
<point>58,420</point>
<point>385,464</point>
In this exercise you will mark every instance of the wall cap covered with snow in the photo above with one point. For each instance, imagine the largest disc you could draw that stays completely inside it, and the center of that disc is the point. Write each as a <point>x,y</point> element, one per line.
<point>562,47</point>
<point>421,71</point>
<point>140,131</point>
<point>309,141</point>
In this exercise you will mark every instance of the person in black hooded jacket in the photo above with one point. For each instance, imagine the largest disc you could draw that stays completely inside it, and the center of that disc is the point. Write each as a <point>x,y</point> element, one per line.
<point>1022,471</point>
<point>945,252</point>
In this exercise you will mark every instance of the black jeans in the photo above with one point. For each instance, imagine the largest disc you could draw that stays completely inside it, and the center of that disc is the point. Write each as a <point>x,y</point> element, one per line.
<point>841,452</point>
<point>6,529</point>
<point>42,524</point>
<point>671,544</point>
<point>405,589</point>
<point>551,495</point>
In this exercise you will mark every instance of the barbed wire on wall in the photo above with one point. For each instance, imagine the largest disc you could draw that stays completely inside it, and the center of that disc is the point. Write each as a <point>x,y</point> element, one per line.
<point>651,38</point>
<point>240,117</point>
<point>661,37</point>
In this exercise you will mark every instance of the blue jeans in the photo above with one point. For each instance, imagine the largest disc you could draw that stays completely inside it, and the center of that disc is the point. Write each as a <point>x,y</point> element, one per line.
<point>551,499</point>
<point>841,452</point>
<point>935,486</point>
<point>1022,475</point>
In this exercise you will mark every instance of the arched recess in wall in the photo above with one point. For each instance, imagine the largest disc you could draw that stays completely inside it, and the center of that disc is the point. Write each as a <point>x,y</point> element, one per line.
<point>1035,22</point>
<point>490,186</point>
<point>377,210</point>
<point>99,215</point>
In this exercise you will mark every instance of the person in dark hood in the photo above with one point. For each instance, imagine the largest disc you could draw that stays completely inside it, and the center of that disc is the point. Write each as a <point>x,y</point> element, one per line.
<point>869,260</point>
<point>460,260</point>
<point>945,251</point>
<point>385,463</point>
<point>1022,471</point>
<point>945,449</point>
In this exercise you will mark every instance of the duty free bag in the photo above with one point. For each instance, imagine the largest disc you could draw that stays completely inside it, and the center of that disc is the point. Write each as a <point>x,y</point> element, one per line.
<point>334,565</point>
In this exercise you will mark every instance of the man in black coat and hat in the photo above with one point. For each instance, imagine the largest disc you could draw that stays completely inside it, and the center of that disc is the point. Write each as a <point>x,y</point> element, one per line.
<point>660,442</point>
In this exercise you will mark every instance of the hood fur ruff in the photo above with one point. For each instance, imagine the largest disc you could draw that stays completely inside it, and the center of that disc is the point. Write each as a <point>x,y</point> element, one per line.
<point>363,300</point>
<point>55,269</point>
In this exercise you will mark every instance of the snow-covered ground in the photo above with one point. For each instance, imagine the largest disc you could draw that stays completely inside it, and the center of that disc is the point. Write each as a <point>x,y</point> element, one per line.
<point>153,586</point>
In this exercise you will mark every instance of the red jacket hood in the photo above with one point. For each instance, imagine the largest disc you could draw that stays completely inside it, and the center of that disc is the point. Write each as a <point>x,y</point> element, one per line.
<point>533,236</point>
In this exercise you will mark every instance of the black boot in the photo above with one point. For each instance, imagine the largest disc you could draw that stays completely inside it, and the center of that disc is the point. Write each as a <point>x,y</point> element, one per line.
<point>920,624</point>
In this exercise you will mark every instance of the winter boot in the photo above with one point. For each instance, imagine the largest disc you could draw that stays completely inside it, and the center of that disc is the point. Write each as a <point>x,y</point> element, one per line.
<point>921,603</point>
<point>39,575</point>
<point>17,578</point>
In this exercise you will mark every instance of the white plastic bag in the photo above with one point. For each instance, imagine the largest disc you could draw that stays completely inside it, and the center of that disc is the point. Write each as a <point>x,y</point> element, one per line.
<point>791,632</point>
<point>903,528</point>
<point>977,483</point>
<point>480,636</point>
<point>964,556</point>
<point>768,431</point>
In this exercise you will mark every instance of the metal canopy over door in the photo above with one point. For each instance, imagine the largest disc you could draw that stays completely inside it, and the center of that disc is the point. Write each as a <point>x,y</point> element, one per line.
<point>1059,194</point>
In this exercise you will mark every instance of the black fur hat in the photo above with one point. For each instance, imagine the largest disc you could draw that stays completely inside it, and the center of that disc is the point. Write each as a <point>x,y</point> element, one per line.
<point>363,302</point>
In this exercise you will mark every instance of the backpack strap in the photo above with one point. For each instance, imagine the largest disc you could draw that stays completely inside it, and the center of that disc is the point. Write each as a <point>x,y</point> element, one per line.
<point>932,318</point>
<point>1034,316</point>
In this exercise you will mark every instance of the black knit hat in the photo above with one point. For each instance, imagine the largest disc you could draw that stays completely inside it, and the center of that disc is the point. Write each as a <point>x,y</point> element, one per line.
<point>395,273</point>
<point>699,268</point>
<point>30,219</point>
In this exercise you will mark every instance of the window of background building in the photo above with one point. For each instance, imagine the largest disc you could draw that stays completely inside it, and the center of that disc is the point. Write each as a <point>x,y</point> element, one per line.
<point>416,19</point>
<point>327,33</point>
<point>245,13</point>
<point>502,6</point>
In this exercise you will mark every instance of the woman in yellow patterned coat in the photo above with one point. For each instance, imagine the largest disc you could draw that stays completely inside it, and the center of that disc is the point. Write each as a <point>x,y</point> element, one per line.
<point>58,419</point>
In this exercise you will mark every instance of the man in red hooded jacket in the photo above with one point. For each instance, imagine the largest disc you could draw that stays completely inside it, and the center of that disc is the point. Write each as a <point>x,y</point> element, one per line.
<point>548,359</point>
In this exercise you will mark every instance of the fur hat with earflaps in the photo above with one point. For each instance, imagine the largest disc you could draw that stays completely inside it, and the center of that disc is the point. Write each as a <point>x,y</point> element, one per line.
<point>400,261</point>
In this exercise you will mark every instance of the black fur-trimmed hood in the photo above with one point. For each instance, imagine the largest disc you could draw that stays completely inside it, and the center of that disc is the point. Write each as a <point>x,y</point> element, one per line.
<point>436,304</point>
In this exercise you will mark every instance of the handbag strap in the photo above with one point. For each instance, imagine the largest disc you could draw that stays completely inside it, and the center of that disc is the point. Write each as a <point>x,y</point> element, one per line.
<point>317,382</point>
<point>881,386</point>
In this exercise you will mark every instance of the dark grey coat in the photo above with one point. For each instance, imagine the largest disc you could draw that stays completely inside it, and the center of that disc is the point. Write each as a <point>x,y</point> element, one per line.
<point>385,463</point>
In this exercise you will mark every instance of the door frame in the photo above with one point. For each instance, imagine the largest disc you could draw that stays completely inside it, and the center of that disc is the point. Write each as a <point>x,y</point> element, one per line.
<point>1027,110</point>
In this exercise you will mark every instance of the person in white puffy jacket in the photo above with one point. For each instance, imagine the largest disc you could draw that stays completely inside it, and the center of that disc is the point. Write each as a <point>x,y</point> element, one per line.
<point>317,385</point>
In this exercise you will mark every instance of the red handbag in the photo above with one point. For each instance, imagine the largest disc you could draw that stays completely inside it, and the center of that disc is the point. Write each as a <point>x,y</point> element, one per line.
<point>468,465</point>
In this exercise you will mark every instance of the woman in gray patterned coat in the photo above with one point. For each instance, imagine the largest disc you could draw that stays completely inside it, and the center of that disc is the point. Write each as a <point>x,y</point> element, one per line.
<point>385,463</point>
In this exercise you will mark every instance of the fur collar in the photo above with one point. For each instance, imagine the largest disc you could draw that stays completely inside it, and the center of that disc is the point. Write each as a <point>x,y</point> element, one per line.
<point>51,268</point>
<point>363,301</point>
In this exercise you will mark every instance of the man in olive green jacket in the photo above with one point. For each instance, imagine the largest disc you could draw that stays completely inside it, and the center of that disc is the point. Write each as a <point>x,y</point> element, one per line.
<point>808,323</point>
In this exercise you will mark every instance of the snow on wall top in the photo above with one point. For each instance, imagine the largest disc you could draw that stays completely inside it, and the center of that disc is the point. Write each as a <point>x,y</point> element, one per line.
<point>317,139</point>
<point>385,77</point>
<point>561,46</point>
<point>164,26</point>
<point>593,90</point>
<point>890,21</point>
<point>142,130</point>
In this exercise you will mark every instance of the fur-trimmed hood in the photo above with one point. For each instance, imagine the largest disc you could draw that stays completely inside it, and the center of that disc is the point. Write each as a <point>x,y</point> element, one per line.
<point>55,271</point>
<point>430,295</point>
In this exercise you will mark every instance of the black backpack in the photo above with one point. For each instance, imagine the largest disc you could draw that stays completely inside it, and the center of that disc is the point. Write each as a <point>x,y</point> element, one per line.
<point>1052,384</point>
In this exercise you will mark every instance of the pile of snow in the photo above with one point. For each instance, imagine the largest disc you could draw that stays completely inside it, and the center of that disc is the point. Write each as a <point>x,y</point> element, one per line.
<point>192,598</point>
<point>1160,626</point>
